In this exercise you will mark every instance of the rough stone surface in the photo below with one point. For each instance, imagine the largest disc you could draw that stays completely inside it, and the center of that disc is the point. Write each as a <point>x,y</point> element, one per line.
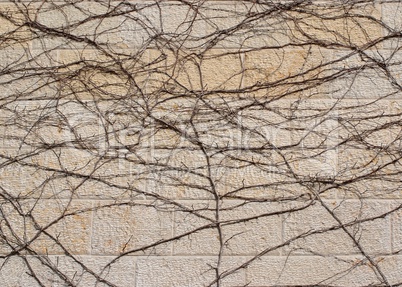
<point>200,143</point>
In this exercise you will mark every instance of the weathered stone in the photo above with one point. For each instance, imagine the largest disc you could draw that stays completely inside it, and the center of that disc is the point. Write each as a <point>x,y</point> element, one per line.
<point>327,234</point>
<point>185,271</point>
<point>120,228</point>
<point>47,227</point>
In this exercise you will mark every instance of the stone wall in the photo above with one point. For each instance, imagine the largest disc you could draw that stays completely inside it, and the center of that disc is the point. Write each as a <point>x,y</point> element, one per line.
<point>200,143</point>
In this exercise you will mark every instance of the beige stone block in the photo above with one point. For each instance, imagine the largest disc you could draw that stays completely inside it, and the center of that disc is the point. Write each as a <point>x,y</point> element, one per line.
<point>32,182</point>
<point>357,28</point>
<point>367,271</point>
<point>14,82</point>
<point>267,126</point>
<point>65,160</point>
<point>384,136</point>
<point>170,138</point>
<point>377,187</point>
<point>59,15</point>
<point>7,26</point>
<point>250,135</point>
<point>229,22</point>
<point>394,68</point>
<point>266,32</point>
<point>58,271</point>
<point>384,183</point>
<point>314,218</point>
<point>11,137</point>
<point>310,270</point>
<point>223,24</point>
<point>100,187</point>
<point>226,24</point>
<point>368,124</point>
<point>274,26</point>
<point>96,24</point>
<point>122,227</point>
<point>16,272</point>
<point>156,71</point>
<point>30,22</point>
<point>282,66</point>
<point>90,74</point>
<point>373,233</point>
<point>50,124</point>
<point>325,235</point>
<point>315,131</point>
<point>178,174</point>
<point>23,181</point>
<point>134,178</point>
<point>95,126</point>
<point>364,163</point>
<point>315,123</point>
<point>17,87</point>
<point>205,241</point>
<point>70,173</point>
<point>390,266</point>
<point>47,227</point>
<point>84,21</point>
<point>73,232</point>
<point>135,24</point>
<point>383,109</point>
<point>259,175</point>
<point>391,17</point>
<point>380,62</point>
<point>60,173</point>
<point>396,230</point>
<point>12,30</point>
<point>222,71</point>
<point>95,271</point>
<point>175,21</point>
<point>186,271</point>
<point>361,84</point>
<point>246,230</point>
<point>319,163</point>
<point>371,141</point>
<point>95,84</point>
<point>260,230</point>
<point>215,70</point>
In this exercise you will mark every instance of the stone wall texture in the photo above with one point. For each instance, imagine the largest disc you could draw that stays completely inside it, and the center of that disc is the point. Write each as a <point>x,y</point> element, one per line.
<point>200,143</point>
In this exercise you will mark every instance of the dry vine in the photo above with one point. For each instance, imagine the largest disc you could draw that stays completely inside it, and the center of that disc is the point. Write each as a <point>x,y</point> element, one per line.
<point>200,143</point>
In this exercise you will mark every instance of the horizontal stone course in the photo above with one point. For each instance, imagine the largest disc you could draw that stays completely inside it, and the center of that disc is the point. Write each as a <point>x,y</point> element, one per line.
<point>200,143</point>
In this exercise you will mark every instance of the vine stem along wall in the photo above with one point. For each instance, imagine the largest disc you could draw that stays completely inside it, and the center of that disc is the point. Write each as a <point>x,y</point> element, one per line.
<point>200,143</point>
